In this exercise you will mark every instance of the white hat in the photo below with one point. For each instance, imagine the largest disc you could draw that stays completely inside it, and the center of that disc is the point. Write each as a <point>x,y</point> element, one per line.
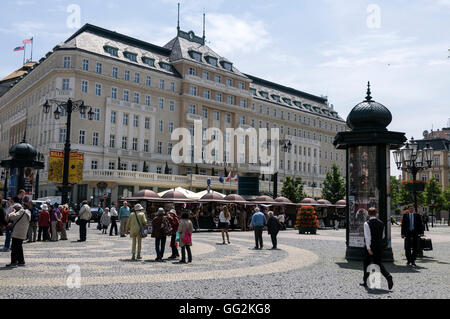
<point>173,211</point>
<point>138,207</point>
<point>44,207</point>
<point>161,212</point>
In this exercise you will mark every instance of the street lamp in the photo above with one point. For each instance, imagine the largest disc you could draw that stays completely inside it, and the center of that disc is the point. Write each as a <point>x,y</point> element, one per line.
<point>286,146</point>
<point>411,159</point>
<point>68,107</point>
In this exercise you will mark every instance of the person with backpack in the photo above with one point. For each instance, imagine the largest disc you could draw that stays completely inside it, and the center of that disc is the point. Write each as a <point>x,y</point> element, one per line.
<point>134,227</point>
<point>84,217</point>
<point>185,230</point>
<point>161,228</point>
<point>44,223</point>
<point>174,222</point>
<point>273,227</point>
<point>32,229</point>
<point>19,220</point>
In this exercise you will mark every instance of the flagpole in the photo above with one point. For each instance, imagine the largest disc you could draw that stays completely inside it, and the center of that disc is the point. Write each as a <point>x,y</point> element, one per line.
<point>32,41</point>
<point>24,52</point>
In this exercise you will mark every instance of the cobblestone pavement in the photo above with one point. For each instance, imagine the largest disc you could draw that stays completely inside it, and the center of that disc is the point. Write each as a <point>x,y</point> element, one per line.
<point>305,266</point>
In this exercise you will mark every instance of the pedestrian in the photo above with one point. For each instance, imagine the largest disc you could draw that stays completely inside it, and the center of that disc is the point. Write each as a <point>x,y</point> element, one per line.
<point>160,229</point>
<point>185,230</point>
<point>9,210</point>
<point>393,221</point>
<point>174,222</point>
<point>105,220</point>
<point>281,219</point>
<point>2,216</point>
<point>224,223</point>
<point>425,220</point>
<point>44,223</point>
<point>412,230</point>
<point>113,214</point>
<point>20,221</point>
<point>373,238</point>
<point>100,213</point>
<point>273,227</point>
<point>32,229</point>
<point>135,223</point>
<point>124,214</point>
<point>257,223</point>
<point>64,209</point>
<point>84,217</point>
<point>55,218</point>
<point>21,196</point>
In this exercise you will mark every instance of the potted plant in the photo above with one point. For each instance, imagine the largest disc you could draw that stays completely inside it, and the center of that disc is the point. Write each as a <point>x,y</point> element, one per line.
<point>411,185</point>
<point>306,221</point>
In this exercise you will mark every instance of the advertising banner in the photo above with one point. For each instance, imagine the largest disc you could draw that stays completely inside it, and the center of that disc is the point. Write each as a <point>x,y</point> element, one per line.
<point>56,167</point>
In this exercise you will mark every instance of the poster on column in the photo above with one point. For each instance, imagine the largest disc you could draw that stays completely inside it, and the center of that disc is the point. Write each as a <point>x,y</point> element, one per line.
<point>56,167</point>
<point>362,190</point>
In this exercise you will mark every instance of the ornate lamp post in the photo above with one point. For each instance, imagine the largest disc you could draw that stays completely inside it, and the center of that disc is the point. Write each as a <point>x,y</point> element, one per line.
<point>368,146</point>
<point>67,107</point>
<point>286,147</point>
<point>411,159</point>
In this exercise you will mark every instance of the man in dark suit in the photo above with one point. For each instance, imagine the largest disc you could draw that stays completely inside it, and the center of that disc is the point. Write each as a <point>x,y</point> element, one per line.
<point>412,230</point>
<point>373,237</point>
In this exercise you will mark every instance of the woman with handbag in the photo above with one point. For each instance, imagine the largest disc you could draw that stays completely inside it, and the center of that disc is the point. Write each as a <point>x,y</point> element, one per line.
<point>20,220</point>
<point>137,229</point>
<point>185,229</point>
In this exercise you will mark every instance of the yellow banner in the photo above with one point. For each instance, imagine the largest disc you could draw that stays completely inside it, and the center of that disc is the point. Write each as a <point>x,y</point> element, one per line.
<point>56,167</point>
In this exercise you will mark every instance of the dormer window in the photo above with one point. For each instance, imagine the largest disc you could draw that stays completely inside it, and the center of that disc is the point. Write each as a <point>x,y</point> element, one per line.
<point>111,50</point>
<point>287,101</point>
<point>148,61</point>
<point>165,66</point>
<point>130,56</point>
<point>276,97</point>
<point>264,94</point>
<point>196,55</point>
<point>253,91</point>
<point>298,104</point>
<point>227,66</point>
<point>211,60</point>
<point>308,107</point>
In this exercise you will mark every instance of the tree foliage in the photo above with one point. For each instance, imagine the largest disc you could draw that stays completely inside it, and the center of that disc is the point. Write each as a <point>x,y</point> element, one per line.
<point>334,185</point>
<point>395,187</point>
<point>293,189</point>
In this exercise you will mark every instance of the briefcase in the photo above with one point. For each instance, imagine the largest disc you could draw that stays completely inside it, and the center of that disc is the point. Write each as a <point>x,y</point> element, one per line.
<point>426,244</point>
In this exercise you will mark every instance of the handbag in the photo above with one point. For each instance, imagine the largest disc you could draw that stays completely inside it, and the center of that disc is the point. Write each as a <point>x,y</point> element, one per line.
<point>59,226</point>
<point>143,231</point>
<point>426,244</point>
<point>77,221</point>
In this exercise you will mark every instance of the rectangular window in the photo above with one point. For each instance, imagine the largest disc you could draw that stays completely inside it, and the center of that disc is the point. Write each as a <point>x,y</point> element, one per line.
<point>62,135</point>
<point>115,72</point>
<point>137,78</point>
<point>82,137</point>
<point>114,93</point>
<point>241,85</point>
<point>134,167</point>
<point>147,100</point>
<point>98,68</point>
<point>192,71</point>
<point>94,164</point>
<point>229,82</point>
<point>207,94</point>
<point>193,90</point>
<point>228,118</point>
<point>205,113</point>
<point>65,84</point>
<point>113,117</point>
<point>172,106</point>
<point>125,119</point>
<point>136,98</point>
<point>191,109</point>
<point>148,80</point>
<point>217,78</point>
<point>243,103</point>
<point>161,84</point>
<point>161,103</point>
<point>98,89</point>
<point>219,97</point>
<point>96,114</point>
<point>172,86</point>
<point>84,86</point>
<point>160,125</point>
<point>124,142</point>
<point>136,120</point>
<point>67,61</point>
<point>112,141</point>
<point>135,144</point>
<point>171,127</point>
<point>126,95</point>
<point>147,123</point>
<point>112,166</point>
<point>85,64</point>
<point>205,75</point>
<point>145,145</point>
<point>95,139</point>
<point>127,75</point>
<point>169,148</point>
<point>230,100</point>
<point>216,116</point>
<point>159,147</point>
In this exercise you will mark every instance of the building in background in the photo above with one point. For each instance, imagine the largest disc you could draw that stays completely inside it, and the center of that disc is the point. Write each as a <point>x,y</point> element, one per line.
<point>140,93</point>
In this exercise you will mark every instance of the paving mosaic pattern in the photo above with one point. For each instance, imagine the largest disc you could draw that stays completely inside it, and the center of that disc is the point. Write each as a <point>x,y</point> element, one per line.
<point>305,266</point>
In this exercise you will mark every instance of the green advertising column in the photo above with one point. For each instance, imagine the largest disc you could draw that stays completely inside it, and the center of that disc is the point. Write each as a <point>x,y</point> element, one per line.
<point>368,146</point>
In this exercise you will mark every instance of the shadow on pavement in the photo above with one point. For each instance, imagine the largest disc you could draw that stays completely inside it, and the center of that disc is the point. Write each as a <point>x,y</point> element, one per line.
<point>391,267</point>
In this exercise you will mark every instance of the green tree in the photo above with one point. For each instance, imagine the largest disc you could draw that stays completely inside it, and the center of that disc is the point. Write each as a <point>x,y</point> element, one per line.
<point>446,196</point>
<point>293,189</point>
<point>395,186</point>
<point>334,185</point>
<point>433,192</point>
<point>407,197</point>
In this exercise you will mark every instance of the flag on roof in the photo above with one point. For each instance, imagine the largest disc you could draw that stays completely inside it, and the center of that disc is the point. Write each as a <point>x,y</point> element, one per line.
<point>27,41</point>
<point>228,177</point>
<point>236,178</point>
<point>20,48</point>
<point>221,178</point>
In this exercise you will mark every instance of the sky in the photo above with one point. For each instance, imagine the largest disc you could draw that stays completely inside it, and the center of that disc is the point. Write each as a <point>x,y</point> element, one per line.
<point>324,47</point>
